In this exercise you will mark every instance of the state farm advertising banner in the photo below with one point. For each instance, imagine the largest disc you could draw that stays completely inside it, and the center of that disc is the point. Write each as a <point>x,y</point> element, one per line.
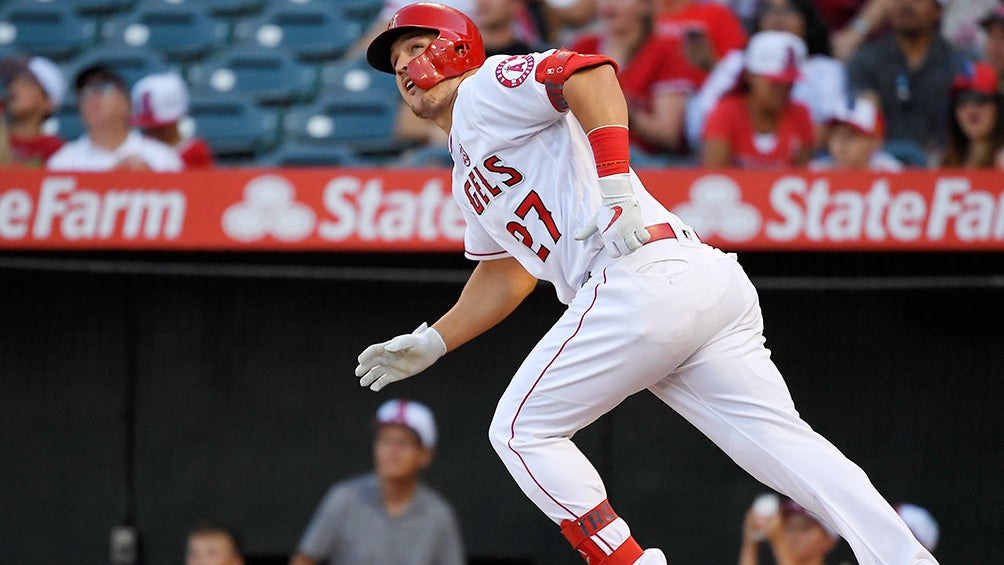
<point>412,210</point>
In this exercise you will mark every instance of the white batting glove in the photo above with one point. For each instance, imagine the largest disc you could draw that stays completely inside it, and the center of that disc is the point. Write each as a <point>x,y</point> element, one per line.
<point>623,231</point>
<point>402,357</point>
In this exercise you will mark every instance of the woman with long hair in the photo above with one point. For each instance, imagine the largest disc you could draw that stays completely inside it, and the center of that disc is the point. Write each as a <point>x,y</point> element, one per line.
<point>976,126</point>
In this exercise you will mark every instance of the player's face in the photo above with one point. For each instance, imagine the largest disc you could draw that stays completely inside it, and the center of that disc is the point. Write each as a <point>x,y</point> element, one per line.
<point>807,540</point>
<point>211,549</point>
<point>424,103</point>
<point>976,114</point>
<point>398,454</point>
<point>849,148</point>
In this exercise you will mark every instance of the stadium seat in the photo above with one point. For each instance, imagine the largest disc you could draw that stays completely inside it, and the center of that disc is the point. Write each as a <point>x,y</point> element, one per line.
<point>311,30</point>
<point>270,76</point>
<point>66,122</point>
<point>233,126</point>
<point>95,6</point>
<point>363,122</point>
<point>179,32</point>
<point>354,76</point>
<point>305,155</point>
<point>229,8</point>
<point>359,9</point>
<point>131,63</point>
<point>49,29</point>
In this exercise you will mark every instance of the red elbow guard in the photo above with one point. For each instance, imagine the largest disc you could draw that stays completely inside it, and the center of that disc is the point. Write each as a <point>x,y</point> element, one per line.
<point>555,69</point>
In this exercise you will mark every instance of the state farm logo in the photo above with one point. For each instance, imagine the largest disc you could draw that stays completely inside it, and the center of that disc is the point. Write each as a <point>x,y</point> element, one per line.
<point>716,207</point>
<point>269,208</point>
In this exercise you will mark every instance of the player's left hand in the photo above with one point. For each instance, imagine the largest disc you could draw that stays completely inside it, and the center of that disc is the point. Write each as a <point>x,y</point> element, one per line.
<point>624,230</point>
<point>397,359</point>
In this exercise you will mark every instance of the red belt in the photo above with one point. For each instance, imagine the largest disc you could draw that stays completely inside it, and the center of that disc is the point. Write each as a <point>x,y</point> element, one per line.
<point>660,231</point>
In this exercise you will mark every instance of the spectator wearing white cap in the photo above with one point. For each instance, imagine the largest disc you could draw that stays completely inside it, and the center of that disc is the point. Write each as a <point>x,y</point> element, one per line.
<point>921,523</point>
<point>758,125</point>
<point>159,104</point>
<point>854,140</point>
<point>34,91</point>
<point>389,515</point>
<point>110,143</point>
<point>795,535</point>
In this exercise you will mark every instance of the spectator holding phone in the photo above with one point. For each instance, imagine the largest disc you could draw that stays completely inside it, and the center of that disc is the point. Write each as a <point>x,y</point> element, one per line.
<point>708,30</point>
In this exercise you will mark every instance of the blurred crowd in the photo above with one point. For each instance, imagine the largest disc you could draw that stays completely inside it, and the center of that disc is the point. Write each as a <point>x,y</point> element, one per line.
<point>878,85</point>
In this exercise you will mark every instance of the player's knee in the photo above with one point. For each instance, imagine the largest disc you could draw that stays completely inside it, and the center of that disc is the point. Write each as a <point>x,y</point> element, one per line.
<point>499,433</point>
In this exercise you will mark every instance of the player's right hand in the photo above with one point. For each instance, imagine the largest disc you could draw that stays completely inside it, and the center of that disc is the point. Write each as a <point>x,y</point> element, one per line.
<point>623,230</point>
<point>397,359</point>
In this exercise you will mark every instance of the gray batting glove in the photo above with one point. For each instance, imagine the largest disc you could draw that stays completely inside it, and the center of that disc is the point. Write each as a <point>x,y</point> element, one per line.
<point>404,356</point>
<point>624,230</point>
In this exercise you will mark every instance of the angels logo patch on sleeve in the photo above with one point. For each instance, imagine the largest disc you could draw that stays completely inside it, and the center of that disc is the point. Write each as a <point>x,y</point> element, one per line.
<point>513,71</point>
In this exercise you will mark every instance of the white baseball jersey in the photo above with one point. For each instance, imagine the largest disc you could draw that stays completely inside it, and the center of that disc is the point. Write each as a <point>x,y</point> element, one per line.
<point>524,175</point>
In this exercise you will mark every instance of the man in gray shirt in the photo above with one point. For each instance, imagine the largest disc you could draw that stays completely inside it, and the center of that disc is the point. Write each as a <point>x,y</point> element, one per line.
<point>911,71</point>
<point>388,516</point>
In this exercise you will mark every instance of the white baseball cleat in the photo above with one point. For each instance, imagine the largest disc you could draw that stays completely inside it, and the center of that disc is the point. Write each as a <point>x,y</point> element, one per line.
<point>652,556</point>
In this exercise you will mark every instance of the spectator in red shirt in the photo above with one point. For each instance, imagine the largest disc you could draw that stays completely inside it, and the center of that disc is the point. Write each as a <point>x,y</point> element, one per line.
<point>159,104</point>
<point>653,74</point>
<point>35,89</point>
<point>758,125</point>
<point>708,31</point>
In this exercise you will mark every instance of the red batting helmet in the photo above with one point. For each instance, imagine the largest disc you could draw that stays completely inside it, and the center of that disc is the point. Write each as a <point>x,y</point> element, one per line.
<point>458,49</point>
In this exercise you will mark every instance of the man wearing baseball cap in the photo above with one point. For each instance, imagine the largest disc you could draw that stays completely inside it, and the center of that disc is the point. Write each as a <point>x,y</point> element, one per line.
<point>34,91</point>
<point>795,535</point>
<point>159,104</point>
<point>110,142</point>
<point>389,515</point>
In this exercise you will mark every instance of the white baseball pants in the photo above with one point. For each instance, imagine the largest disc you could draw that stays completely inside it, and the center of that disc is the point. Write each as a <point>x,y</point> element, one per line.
<point>680,319</point>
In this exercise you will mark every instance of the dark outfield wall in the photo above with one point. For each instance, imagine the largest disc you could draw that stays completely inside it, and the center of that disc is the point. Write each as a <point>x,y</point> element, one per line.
<point>168,399</point>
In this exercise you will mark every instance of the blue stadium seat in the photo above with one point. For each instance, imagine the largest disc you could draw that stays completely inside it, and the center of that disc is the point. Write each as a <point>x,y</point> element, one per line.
<point>312,30</point>
<point>354,76</point>
<point>131,63</point>
<point>306,155</point>
<point>49,29</point>
<point>230,8</point>
<point>359,9</point>
<point>233,126</point>
<point>95,6</point>
<point>180,32</point>
<point>270,76</point>
<point>363,122</point>
<point>66,122</point>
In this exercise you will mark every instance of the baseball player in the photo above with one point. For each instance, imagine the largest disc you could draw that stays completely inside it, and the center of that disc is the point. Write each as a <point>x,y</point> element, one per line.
<point>540,146</point>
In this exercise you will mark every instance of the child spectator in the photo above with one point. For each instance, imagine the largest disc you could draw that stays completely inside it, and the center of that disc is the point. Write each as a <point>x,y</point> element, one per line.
<point>854,140</point>
<point>652,72</point>
<point>159,104</point>
<point>795,535</point>
<point>758,125</point>
<point>976,128</point>
<point>212,543</point>
<point>34,91</point>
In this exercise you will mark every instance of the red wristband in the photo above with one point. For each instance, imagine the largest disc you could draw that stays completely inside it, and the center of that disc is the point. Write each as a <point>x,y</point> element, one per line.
<point>610,149</point>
